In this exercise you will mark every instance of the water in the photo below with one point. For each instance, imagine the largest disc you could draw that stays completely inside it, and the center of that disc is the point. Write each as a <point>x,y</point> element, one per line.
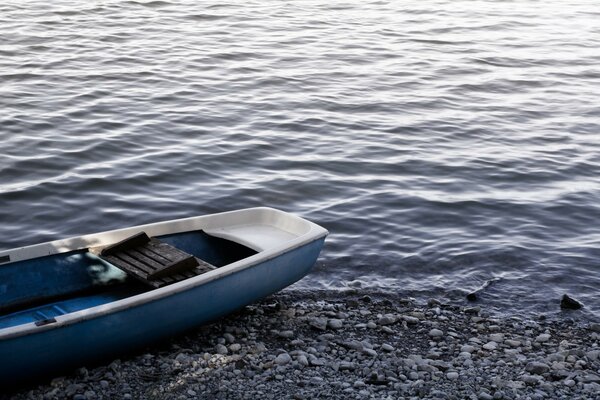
<point>444,144</point>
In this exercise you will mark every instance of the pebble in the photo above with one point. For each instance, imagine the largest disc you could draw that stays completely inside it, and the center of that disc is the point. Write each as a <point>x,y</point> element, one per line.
<point>221,349</point>
<point>335,324</point>
<point>387,319</point>
<point>387,347</point>
<point>283,359</point>
<point>537,368</point>
<point>302,360</point>
<point>319,348</point>
<point>542,338</point>
<point>452,375</point>
<point>490,346</point>
<point>436,333</point>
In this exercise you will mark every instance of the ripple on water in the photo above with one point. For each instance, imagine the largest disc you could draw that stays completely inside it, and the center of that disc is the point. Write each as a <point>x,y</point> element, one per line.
<point>444,144</point>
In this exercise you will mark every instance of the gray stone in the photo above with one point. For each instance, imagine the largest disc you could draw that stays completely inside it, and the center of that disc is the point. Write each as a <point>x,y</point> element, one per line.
<point>302,360</point>
<point>453,375</point>
<point>229,338</point>
<point>544,337</point>
<point>537,368</point>
<point>436,333</point>
<point>221,349</point>
<point>490,346</point>
<point>387,347</point>
<point>335,324</point>
<point>497,337</point>
<point>318,323</point>
<point>387,319</point>
<point>467,348</point>
<point>531,379</point>
<point>283,359</point>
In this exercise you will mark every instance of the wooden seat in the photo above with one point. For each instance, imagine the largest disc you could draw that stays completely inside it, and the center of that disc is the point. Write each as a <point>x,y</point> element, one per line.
<point>153,262</point>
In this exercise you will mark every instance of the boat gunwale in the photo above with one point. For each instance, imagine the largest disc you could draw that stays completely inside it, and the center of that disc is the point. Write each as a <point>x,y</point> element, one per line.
<point>315,232</point>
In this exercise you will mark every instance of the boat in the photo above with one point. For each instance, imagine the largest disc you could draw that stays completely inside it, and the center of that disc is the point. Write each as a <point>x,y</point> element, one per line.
<point>66,303</point>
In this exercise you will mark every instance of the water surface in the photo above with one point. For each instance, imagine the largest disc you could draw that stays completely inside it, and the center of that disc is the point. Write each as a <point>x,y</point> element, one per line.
<point>443,143</point>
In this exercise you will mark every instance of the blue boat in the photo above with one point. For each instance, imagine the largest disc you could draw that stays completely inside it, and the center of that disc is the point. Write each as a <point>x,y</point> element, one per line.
<point>67,303</point>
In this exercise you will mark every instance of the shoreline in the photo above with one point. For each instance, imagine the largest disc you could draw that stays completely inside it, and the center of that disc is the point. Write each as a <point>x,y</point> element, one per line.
<point>352,345</point>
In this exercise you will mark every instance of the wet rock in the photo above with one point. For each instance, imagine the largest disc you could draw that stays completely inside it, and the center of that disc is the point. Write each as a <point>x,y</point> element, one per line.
<point>569,303</point>
<point>537,368</point>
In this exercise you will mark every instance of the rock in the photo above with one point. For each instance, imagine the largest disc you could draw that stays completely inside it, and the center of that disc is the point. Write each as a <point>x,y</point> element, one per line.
<point>221,349</point>
<point>497,337</point>
<point>472,310</point>
<point>467,348</point>
<point>569,303</point>
<point>436,333</point>
<point>286,334</point>
<point>542,338</point>
<point>302,360</point>
<point>318,323</point>
<point>370,352</point>
<point>490,346</point>
<point>453,375</point>
<point>512,343</point>
<point>537,368</point>
<point>335,324</point>
<point>472,296</point>
<point>387,319</point>
<point>485,396</point>
<point>569,382</point>
<point>593,355</point>
<point>346,365</point>
<point>387,347</point>
<point>588,378</point>
<point>595,327</point>
<point>235,347</point>
<point>282,359</point>
<point>228,337</point>
<point>530,379</point>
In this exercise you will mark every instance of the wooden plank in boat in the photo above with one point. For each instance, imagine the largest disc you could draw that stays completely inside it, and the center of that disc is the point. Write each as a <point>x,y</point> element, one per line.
<point>153,262</point>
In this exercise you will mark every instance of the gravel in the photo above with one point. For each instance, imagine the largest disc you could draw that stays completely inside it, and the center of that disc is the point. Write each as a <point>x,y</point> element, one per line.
<point>350,346</point>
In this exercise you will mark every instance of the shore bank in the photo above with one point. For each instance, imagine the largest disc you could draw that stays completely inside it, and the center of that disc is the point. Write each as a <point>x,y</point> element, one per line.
<point>355,345</point>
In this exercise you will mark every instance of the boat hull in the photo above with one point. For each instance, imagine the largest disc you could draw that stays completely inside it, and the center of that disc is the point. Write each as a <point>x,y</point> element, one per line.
<point>58,349</point>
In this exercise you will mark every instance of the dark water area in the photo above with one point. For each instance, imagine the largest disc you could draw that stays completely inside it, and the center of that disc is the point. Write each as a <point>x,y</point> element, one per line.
<point>444,144</point>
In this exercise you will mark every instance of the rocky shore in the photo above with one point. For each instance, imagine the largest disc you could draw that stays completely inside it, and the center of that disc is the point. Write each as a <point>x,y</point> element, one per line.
<point>353,346</point>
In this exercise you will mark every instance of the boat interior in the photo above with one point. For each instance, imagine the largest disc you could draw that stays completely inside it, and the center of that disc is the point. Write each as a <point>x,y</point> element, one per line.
<point>40,289</point>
